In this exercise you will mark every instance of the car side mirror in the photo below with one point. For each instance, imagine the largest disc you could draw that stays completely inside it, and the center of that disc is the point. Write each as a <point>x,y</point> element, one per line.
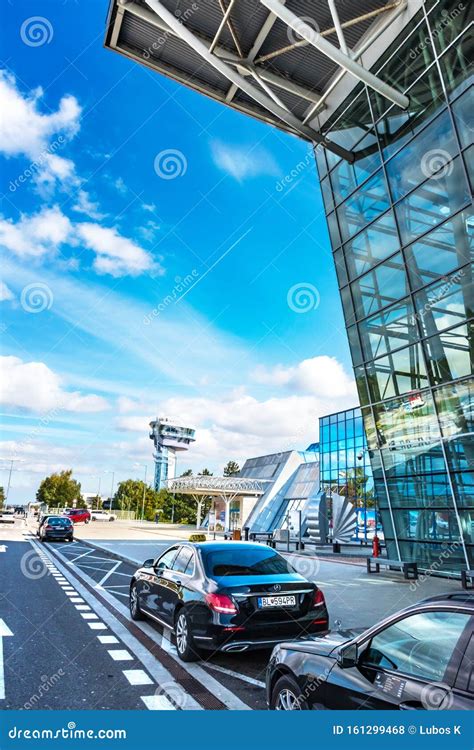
<point>148,563</point>
<point>348,656</point>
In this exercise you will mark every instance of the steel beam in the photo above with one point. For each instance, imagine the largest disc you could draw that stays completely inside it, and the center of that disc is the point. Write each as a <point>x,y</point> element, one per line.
<point>334,54</point>
<point>228,72</point>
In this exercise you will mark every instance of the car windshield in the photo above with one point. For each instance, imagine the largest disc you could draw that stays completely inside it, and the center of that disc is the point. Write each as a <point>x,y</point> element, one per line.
<point>245,562</point>
<point>58,521</point>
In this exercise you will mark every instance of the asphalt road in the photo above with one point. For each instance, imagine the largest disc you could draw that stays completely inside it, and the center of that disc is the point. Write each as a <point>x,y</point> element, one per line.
<point>74,645</point>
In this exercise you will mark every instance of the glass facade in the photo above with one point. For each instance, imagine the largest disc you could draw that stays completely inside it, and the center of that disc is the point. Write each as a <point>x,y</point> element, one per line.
<point>401,225</point>
<point>345,467</point>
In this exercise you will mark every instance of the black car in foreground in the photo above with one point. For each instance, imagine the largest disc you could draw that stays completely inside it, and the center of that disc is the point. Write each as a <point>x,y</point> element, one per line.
<point>229,596</point>
<point>419,658</point>
<point>55,528</point>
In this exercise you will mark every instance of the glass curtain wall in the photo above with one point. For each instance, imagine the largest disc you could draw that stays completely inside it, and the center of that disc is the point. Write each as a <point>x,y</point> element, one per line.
<point>401,226</point>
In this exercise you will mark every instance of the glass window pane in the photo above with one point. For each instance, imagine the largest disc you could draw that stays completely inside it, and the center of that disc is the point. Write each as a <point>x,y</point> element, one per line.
<point>381,287</point>
<point>406,65</point>
<point>354,123</point>
<point>464,487</point>
<point>447,20</point>
<point>392,329</point>
<point>427,99</point>
<point>320,155</point>
<point>450,354</point>
<point>372,245</point>
<point>419,160</point>
<point>444,194</point>
<point>456,65</point>
<point>401,372</point>
<point>420,645</point>
<point>340,267</point>
<point>354,345</point>
<point>442,250</point>
<point>363,206</point>
<point>333,230</point>
<point>455,404</point>
<point>430,525</point>
<point>327,194</point>
<point>347,306</point>
<point>446,303</point>
<point>469,162</point>
<point>420,491</point>
<point>462,110</point>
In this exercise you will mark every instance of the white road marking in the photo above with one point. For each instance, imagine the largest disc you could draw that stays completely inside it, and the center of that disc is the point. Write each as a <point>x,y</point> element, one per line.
<point>120,655</point>
<point>71,562</point>
<point>107,639</point>
<point>158,703</point>
<point>82,607</point>
<point>4,633</point>
<point>3,547</point>
<point>231,673</point>
<point>137,677</point>
<point>120,593</point>
<point>107,575</point>
<point>71,594</point>
<point>89,616</point>
<point>97,626</point>
<point>76,600</point>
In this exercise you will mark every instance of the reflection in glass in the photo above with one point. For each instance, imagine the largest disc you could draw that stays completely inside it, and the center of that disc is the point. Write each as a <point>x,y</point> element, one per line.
<point>400,372</point>
<point>372,245</point>
<point>462,110</point>
<point>381,287</point>
<point>450,354</point>
<point>392,329</point>
<point>363,206</point>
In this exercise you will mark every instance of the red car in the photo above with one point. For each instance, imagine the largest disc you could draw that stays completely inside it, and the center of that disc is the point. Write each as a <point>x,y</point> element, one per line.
<point>78,515</point>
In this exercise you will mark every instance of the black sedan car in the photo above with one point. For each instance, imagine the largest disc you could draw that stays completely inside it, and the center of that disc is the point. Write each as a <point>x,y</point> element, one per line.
<point>229,596</point>
<point>419,658</point>
<point>55,528</point>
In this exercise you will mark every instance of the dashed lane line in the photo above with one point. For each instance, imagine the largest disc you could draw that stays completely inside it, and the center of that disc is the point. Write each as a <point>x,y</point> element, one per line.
<point>137,677</point>
<point>209,683</point>
<point>120,655</point>
<point>107,639</point>
<point>159,673</point>
<point>158,703</point>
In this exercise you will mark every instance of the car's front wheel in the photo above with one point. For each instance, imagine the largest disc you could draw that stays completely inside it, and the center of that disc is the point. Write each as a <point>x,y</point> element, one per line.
<point>185,645</point>
<point>287,696</point>
<point>135,611</point>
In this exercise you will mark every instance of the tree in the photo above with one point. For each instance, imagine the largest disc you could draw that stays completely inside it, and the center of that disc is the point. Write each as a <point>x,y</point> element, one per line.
<point>60,490</point>
<point>187,473</point>
<point>2,497</point>
<point>205,473</point>
<point>231,469</point>
<point>129,496</point>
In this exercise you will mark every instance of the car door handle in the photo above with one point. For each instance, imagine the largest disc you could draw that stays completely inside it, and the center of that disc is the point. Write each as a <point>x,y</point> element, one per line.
<point>411,706</point>
<point>178,582</point>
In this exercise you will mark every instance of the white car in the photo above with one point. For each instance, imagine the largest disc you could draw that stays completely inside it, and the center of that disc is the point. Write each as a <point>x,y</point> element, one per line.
<point>7,516</point>
<point>102,515</point>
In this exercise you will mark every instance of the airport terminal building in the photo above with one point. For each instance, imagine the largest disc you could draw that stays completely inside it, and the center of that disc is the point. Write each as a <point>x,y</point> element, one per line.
<point>384,92</point>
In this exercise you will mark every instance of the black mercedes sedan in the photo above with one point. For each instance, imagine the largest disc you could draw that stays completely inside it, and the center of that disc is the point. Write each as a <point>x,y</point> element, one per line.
<point>229,596</point>
<point>419,658</point>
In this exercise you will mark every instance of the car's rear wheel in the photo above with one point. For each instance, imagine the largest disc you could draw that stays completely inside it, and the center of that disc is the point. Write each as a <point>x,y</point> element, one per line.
<point>185,645</point>
<point>86,520</point>
<point>286,696</point>
<point>135,611</point>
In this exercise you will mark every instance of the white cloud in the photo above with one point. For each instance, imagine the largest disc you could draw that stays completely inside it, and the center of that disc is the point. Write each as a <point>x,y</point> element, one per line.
<point>116,255</point>
<point>33,386</point>
<point>36,235</point>
<point>25,131</point>
<point>45,233</point>
<point>242,162</point>
<point>6,293</point>
<point>120,185</point>
<point>320,376</point>
<point>85,205</point>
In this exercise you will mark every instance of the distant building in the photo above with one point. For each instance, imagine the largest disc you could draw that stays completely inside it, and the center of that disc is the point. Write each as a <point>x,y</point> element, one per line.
<point>168,438</point>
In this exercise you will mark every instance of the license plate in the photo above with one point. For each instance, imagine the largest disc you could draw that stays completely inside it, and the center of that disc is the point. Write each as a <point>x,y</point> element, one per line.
<point>276,601</point>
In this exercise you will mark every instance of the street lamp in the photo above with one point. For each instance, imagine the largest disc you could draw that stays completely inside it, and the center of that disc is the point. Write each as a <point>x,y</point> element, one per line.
<point>11,461</point>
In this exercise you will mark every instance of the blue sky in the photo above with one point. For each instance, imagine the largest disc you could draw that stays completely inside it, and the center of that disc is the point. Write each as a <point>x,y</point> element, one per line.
<point>205,292</point>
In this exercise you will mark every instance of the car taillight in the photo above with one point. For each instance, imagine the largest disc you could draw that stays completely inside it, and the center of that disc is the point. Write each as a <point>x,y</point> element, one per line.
<point>318,599</point>
<point>221,603</point>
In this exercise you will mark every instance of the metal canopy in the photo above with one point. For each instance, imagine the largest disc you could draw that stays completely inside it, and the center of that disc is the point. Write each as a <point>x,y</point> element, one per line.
<point>276,60</point>
<point>223,487</point>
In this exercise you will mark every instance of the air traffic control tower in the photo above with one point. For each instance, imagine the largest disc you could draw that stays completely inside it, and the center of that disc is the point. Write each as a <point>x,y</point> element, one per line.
<point>168,438</point>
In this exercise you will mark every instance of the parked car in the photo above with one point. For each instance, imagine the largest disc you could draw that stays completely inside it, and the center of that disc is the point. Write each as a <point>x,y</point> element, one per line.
<point>7,515</point>
<point>78,515</point>
<point>226,597</point>
<point>419,658</point>
<point>102,515</point>
<point>56,527</point>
